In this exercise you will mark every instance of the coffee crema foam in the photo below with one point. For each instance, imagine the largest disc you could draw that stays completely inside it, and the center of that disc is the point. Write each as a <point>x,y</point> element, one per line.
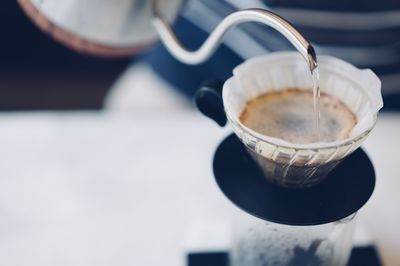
<point>289,115</point>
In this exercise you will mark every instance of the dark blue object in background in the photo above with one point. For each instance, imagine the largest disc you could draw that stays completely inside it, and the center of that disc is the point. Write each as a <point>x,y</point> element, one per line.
<point>335,28</point>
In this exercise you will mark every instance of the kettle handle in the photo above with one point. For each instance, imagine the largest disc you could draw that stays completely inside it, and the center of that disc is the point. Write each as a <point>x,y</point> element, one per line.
<point>208,100</point>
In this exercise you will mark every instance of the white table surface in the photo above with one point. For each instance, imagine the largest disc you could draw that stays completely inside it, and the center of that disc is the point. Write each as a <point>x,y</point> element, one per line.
<point>101,189</point>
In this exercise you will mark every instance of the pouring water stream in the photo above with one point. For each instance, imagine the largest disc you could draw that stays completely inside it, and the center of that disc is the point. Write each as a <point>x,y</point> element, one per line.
<point>316,100</point>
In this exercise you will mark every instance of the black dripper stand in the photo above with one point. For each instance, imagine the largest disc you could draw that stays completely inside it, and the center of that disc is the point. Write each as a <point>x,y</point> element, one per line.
<point>286,226</point>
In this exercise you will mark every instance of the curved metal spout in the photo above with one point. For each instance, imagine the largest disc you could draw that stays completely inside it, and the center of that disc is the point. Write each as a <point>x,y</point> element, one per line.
<point>262,16</point>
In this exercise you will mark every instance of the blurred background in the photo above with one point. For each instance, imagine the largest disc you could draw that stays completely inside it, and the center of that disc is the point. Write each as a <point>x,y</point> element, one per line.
<point>39,73</point>
<point>104,161</point>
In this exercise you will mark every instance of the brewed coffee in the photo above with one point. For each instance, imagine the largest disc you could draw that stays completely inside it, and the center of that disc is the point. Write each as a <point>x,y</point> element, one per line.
<point>289,115</point>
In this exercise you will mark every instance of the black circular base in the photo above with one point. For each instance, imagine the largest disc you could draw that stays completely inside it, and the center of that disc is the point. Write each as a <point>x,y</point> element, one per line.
<point>343,192</point>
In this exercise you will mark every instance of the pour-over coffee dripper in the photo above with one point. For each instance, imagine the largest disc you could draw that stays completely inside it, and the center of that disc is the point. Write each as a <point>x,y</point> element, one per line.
<point>284,163</point>
<point>281,226</point>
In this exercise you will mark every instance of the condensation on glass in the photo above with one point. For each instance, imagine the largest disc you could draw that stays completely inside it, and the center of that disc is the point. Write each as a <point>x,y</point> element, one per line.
<point>260,243</point>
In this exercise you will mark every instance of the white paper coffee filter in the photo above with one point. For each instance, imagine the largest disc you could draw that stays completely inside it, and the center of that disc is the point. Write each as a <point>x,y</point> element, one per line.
<point>359,89</point>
